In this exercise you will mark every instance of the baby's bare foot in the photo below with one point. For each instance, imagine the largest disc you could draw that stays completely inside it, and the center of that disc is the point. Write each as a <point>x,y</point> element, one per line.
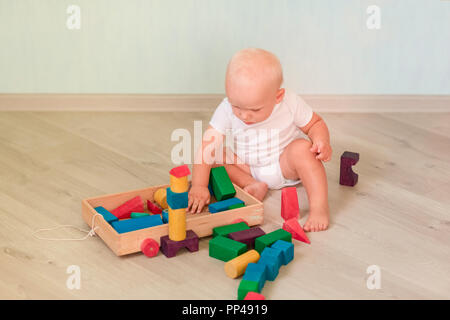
<point>257,189</point>
<point>317,221</point>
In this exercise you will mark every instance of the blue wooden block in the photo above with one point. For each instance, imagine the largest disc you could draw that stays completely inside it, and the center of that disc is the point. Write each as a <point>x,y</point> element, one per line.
<point>128,225</point>
<point>165,216</point>
<point>223,205</point>
<point>256,272</point>
<point>287,248</point>
<point>108,216</point>
<point>272,260</point>
<point>177,200</point>
<point>211,192</point>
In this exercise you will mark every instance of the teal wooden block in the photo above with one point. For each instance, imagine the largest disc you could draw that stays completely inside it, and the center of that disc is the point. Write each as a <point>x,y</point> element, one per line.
<point>224,204</point>
<point>287,248</point>
<point>271,259</point>
<point>108,216</point>
<point>129,225</point>
<point>256,272</point>
<point>177,200</point>
<point>165,216</point>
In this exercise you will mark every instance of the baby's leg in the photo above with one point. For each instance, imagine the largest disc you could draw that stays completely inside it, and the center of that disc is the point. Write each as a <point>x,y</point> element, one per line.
<point>240,174</point>
<point>298,162</point>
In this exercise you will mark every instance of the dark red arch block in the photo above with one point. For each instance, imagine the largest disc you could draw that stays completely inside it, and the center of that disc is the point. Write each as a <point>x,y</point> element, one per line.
<point>347,176</point>
<point>171,247</point>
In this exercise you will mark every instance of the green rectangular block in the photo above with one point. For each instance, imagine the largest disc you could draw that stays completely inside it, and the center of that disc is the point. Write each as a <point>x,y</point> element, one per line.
<point>245,286</point>
<point>221,184</point>
<point>138,214</point>
<point>270,238</point>
<point>229,228</point>
<point>225,249</point>
<point>235,206</point>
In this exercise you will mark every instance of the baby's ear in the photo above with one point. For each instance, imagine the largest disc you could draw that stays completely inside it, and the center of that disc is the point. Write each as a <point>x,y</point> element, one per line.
<point>280,94</point>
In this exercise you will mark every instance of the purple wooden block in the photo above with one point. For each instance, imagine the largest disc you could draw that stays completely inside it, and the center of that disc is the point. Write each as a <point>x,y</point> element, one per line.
<point>247,236</point>
<point>170,247</point>
<point>347,176</point>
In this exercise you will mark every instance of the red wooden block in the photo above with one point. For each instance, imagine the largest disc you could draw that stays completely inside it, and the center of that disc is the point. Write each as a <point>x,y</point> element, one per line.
<point>153,208</point>
<point>180,171</point>
<point>293,227</point>
<point>239,220</point>
<point>347,176</point>
<point>150,247</point>
<point>124,211</point>
<point>289,203</point>
<point>254,296</point>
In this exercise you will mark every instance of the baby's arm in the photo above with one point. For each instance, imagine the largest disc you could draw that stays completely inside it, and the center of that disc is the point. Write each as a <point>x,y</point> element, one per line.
<point>318,132</point>
<point>204,159</point>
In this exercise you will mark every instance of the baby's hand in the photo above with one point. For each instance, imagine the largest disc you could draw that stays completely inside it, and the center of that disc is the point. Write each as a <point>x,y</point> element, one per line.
<point>322,149</point>
<point>198,197</point>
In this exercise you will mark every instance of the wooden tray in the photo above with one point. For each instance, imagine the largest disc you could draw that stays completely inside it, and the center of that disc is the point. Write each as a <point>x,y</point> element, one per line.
<point>201,223</point>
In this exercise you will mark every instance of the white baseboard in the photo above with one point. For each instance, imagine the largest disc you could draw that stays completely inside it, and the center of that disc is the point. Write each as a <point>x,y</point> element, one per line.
<point>208,102</point>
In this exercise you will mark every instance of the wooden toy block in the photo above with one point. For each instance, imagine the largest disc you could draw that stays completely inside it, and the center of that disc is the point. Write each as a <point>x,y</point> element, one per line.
<point>293,227</point>
<point>180,171</point>
<point>246,286</point>
<point>179,184</point>
<point>235,206</point>
<point>254,296</point>
<point>225,249</point>
<point>287,248</point>
<point>275,254</point>
<point>221,184</point>
<point>289,203</point>
<point>134,205</point>
<point>247,236</point>
<point>229,228</point>
<point>256,272</point>
<point>138,215</point>
<point>268,239</point>
<point>239,220</point>
<point>108,216</point>
<point>177,224</point>
<point>165,216</point>
<point>201,223</point>
<point>153,208</point>
<point>347,176</point>
<point>271,267</point>
<point>160,197</point>
<point>223,205</point>
<point>150,247</point>
<point>236,267</point>
<point>176,200</point>
<point>129,225</point>
<point>210,189</point>
<point>171,247</point>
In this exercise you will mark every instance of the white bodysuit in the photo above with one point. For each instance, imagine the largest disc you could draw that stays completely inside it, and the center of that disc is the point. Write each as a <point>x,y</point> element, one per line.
<point>260,144</point>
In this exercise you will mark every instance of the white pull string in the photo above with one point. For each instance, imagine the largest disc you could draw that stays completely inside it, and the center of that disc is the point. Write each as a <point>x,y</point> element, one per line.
<point>90,233</point>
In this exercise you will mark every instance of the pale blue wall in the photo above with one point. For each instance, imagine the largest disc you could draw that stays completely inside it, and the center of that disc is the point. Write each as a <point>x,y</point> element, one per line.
<point>183,46</point>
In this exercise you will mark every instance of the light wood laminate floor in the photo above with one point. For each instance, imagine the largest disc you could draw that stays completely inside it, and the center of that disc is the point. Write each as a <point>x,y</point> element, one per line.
<point>397,217</point>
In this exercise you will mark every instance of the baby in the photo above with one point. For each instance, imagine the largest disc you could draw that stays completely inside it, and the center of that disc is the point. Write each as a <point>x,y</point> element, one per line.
<point>257,113</point>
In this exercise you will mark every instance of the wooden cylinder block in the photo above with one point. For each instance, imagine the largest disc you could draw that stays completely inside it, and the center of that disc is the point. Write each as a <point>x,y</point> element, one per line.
<point>179,184</point>
<point>177,224</point>
<point>160,196</point>
<point>236,267</point>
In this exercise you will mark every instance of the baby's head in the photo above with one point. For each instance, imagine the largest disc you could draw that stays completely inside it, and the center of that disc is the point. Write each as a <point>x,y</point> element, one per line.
<point>252,84</point>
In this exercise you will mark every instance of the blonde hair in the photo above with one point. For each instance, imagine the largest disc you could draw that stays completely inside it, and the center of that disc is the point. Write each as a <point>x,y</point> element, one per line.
<point>254,64</point>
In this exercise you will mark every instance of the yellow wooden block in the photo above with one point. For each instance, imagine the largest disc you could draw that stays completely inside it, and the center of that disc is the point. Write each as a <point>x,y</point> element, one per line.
<point>160,196</point>
<point>236,267</point>
<point>177,224</point>
<point>179,184</point>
